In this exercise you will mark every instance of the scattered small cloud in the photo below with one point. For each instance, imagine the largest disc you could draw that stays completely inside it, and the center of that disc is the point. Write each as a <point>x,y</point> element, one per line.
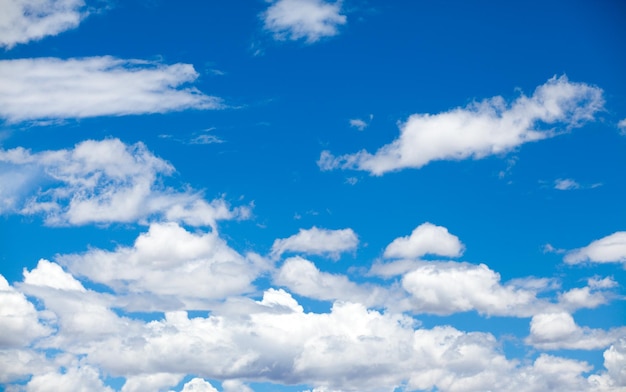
<point>352,180</point>
<point>310,20</point>
<point>566,184</point>
<point>548,248</point>
<point>361,124</point>
<point>622,126</point>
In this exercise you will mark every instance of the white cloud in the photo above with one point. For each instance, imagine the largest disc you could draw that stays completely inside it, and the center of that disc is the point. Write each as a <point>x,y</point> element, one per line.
<point>622,126</point>
<point>49,88</point>
<point>19,321</point>
<point>556,331</point>
<point>168,262</point>
<point>22,21</point>
<point>304,278</point>
<point>566,184</point>
<point>481,129</point>
<point>446,288</point>
<point>51,275</point>
<point>103,182</point>
<point>199,385</point>
<point>358,124</point>
<point>610,249</point>
<point>81,379</point>
<point>155,381</point>
<point>308,19</point>
<point>316,241</point>
<point>425,239</point>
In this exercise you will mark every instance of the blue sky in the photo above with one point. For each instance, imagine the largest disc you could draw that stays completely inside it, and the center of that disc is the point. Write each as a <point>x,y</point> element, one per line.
<point>302,195</point>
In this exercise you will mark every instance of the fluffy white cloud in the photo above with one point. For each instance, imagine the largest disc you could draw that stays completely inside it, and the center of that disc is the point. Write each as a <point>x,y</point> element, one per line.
<point>610,249</point>
<point>27,20</point>
<point>304,278</point>
<point>199,385</point>
<point>155,381</point>
<point>445,288</point>
<point>316,241</point>
<point>49,88</point>
<point>81,379</point>
<point>169,267</point>
<point>103,182</point>
<point>566,184</point>
<point>555,331</point>
<point>308,19</point>
<point>425,239</point>
<point>481,129</point>
<point>19,321</point>
<point>51,275</point>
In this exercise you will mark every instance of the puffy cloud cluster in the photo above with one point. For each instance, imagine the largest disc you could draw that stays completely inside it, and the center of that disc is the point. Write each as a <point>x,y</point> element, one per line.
<point>303,19</point>
<point>22,21</point>
<point>51,88</point>
<point>103,181</point>
<point>484,128</point>
<point>170,268</point>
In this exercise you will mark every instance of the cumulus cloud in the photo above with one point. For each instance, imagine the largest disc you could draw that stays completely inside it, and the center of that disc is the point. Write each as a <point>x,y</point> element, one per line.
<point>610,249</point>
<point>480,129</point>
<point>315,241</point>
<point>425,239</point>
<point>302,277</point>
<point>172,267</point>
<point>22,21</point>
<point>303,19</point>
<point>19,321</point>
<point>556,331</point>
<point>446,288</point>
<point>103,181</point>
<point>50,88</point>
<point>83,379</point>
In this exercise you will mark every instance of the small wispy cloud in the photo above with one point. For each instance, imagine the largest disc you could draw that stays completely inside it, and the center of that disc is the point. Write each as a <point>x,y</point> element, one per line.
<point>361,124</point>
<point>622,127</point>
<point>303,19</point>
<point>566,184</point>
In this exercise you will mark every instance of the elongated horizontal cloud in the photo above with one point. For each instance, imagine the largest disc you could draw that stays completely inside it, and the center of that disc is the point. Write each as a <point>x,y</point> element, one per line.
<point>610,249</point>
<point>51,88</point>
<point>425,239</point>
<point>555,331</point>
<point>103,181</point>
<point>315,241</point>
<point>478,130</point>
<point>22,21</point>
<point>308,19</point>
